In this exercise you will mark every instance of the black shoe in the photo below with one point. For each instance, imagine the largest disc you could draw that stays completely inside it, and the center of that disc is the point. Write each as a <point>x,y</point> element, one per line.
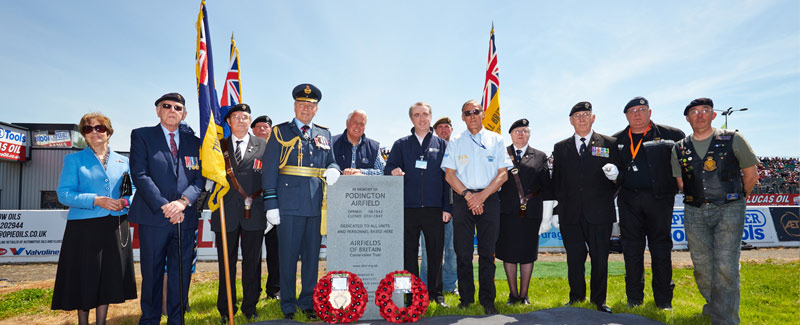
<point>224,319</point>
<point>464,305</point>
<point>525,301</point>
<point>310,313</point>
<point>634,304</point>
<point>512,300</point>
<point>455,292</point>
<point>276,296</point>
<point>573,302</point>
<point>604,308</point>
<point>440,300</point>
<point>667,306</point>
<point>288,316</point>
<point>490,310</point>
<point>251,316</point>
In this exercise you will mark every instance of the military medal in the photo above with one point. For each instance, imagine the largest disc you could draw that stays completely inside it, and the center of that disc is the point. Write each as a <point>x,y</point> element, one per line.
<point>709,165</point>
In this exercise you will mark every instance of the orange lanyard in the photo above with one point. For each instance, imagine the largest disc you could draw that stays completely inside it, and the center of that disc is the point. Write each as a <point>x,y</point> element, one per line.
<point>635,151</point>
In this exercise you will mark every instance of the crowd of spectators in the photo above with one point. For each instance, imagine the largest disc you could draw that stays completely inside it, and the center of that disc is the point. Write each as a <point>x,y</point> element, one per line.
<point>778,175</point>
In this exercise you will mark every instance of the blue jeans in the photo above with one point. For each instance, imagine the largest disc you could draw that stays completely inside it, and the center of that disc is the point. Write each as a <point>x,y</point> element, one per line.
<point>714,234</point>
<point>449,276</point>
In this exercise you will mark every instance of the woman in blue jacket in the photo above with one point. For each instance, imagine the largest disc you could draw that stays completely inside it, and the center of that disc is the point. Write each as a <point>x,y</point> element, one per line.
<point>95,265</point>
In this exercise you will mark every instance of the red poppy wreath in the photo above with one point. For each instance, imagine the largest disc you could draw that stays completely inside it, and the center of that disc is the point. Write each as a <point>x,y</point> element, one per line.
<point>349,297</point>
<point>389,311</point>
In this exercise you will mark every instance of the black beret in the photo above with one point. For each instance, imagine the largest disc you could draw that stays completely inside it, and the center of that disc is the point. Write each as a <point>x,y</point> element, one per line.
<point>518,123</point>
<point>175,97</point>
<point>307,93</point>
<point>698,102</point>
<point>443,120</point>
<point>636,101</point>
<point>238,108</point>
<point>262,118</point>
<point>580,107</point>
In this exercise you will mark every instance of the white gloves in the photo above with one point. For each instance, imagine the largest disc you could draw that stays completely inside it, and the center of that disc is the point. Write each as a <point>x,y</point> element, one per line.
<point>611,171</point>
<point>331,176</point>
<point>547,216</point>
<point>274,217</point>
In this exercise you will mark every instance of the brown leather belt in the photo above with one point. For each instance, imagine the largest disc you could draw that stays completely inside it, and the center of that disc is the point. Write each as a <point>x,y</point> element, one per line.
<point>235,182</point>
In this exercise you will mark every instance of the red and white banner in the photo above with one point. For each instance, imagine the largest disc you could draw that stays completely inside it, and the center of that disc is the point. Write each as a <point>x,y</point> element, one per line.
<point>773,199</point>
<point>13,143</point>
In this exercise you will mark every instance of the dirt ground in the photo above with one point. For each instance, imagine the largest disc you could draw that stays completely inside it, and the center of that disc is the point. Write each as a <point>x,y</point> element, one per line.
<point>14,277</point>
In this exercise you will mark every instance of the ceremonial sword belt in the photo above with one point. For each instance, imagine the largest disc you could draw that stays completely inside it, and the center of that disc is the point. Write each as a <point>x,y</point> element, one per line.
<point>312,172</point>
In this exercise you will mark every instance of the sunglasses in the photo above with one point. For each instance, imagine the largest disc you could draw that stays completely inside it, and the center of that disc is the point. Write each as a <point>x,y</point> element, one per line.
<point>170,106</point>
<point>472,112</point>
<point>97,128</point>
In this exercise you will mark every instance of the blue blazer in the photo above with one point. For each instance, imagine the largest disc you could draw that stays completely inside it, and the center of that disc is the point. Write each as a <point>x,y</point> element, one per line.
<point>83,178</point>
<point>159,180</point>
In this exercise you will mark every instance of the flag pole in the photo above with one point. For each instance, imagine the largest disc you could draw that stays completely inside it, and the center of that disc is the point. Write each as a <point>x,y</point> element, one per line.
<point>225,259</point>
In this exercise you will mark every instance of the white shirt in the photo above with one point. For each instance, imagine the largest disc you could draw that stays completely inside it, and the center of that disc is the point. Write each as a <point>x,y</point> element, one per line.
<point>177,137</point>
<point>243,145</point>
<point>523,149</point>
<point>420,138</point>
<point>578,141</point>
<point>476,158</point>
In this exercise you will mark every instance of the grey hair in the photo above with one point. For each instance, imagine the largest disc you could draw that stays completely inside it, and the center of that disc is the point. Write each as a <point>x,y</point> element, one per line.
<point>358,111</point>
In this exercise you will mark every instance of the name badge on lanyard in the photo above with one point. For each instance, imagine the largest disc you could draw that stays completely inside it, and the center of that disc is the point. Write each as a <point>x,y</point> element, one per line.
<point>421,163</point>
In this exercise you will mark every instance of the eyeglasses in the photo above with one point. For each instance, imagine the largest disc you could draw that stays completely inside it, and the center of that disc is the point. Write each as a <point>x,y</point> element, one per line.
<point>706,111</point>
<point>580,116</point>
<point>468,113</point>
<point>97,128</point>
<point>642,110</point>
<point>521,131</point>
<point>240,117</point>
<point>170,106</point>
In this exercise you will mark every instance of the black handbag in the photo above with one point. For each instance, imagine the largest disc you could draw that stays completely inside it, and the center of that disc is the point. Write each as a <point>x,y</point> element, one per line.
<point>125,188</point>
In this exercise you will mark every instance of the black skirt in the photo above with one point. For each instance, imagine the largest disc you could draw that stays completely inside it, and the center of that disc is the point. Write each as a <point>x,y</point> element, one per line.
<point>518,240</point>
<point>95,265</point>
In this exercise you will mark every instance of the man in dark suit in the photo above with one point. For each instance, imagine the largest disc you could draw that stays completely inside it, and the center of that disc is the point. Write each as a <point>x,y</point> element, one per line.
<point>298,163</point>
<point>166,172</point>
<point>583,179</point>
<point>262,128</point>
<point>244,213</point>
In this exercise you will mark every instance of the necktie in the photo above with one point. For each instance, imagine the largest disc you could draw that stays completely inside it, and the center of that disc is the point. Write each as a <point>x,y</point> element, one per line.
<point>519,155</point>
<point>305,131</point>
<point>238,152</point>
<point>583,146</point>
<point>173,147</point>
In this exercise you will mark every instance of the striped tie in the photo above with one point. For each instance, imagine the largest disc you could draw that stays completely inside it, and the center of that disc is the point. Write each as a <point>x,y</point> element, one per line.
<point>238,152</point>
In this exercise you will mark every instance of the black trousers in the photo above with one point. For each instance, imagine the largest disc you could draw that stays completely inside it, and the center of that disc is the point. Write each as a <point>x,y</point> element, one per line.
<point>429,221</point>
<point>251,269</point>
<point>644,219</point>
<point>465,225</point>
<point>273,285</point>
<point>576,238</point>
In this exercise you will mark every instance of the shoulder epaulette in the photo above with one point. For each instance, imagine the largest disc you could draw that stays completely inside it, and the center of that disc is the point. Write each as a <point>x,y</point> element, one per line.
<point>287,122</point>
<point>323,127</point>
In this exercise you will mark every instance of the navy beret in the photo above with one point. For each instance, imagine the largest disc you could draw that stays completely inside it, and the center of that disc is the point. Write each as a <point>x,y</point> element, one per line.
<point>238,108</point>
<point>698,102</point>
<point>580,107</point>
<point>262,118</point>
<point>175,97</point>
<point>518,123</point>
<point>307,93</point>
<point>636,101</point>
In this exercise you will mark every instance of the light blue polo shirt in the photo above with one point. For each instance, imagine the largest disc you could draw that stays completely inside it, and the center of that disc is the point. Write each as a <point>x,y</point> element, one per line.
<point>476,158</point>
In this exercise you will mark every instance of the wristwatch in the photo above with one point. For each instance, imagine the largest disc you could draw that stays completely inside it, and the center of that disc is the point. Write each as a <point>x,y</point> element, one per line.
<point>464,192</point>
<point>185,201</point>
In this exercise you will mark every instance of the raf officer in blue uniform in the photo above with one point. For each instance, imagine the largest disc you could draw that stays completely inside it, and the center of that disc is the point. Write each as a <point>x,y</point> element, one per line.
<point>298,163</point>
<point>166,172</point>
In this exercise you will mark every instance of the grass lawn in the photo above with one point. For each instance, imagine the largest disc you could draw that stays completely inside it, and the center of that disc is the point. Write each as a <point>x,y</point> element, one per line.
<point>770,295</point>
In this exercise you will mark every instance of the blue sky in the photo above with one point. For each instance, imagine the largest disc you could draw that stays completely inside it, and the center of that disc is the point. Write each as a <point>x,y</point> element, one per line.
<point>61,59</point>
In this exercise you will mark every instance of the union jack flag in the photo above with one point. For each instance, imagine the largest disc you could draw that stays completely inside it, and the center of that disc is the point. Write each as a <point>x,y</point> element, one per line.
<point>231,94</point>
<point>491,90</point>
